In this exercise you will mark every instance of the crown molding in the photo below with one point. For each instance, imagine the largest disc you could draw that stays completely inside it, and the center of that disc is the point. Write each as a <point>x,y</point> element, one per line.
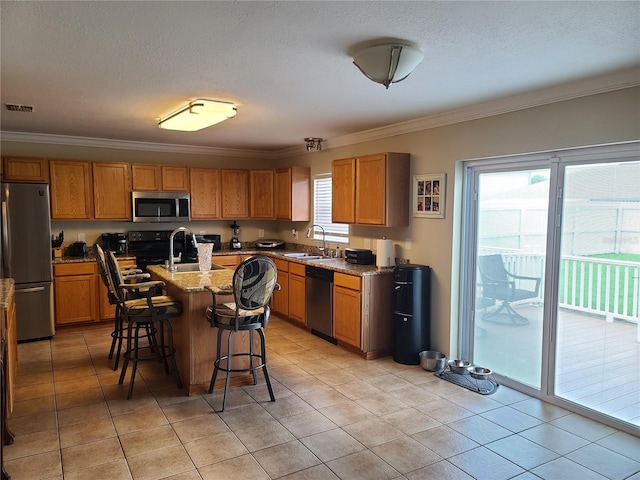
<point>132,145</point>
<point>617,80</point>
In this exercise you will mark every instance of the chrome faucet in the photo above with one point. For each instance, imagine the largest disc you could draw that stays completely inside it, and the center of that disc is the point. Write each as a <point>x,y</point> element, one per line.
<point>172,259</point>
<point>323,249</point>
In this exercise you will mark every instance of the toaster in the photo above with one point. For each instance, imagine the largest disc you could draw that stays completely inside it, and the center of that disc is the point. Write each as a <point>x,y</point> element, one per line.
<point>78,249</point>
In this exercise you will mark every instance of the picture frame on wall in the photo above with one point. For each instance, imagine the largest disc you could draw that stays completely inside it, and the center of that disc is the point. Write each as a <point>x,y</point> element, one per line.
<point>429,195</point>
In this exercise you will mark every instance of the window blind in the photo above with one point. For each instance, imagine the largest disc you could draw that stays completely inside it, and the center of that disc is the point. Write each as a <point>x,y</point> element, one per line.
<point>334,232</point>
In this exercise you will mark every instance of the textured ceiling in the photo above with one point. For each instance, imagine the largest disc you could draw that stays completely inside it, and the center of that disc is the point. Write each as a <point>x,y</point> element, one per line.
<point>109,70</point>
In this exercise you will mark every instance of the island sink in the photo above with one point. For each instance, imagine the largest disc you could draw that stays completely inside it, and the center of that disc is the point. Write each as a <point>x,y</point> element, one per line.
<point>192,267</point>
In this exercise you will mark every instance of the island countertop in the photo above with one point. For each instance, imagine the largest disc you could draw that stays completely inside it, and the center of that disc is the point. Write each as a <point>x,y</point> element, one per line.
<point>192,281</point>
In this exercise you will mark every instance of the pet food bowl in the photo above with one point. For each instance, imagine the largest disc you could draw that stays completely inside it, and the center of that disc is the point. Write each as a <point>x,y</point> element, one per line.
<point>432,361</point>
<point>481,373</point>
<point>459,366</point>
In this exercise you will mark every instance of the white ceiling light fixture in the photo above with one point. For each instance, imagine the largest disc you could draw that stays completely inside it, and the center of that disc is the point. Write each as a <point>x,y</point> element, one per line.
<point>313,143</point>
<point>388,63</point>
<point>198,114</point>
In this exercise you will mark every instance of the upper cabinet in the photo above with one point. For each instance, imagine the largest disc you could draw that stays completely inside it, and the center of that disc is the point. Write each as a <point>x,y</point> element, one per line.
<point>235,193</point>
<point>31,170</point>
<point>261,188</point>
<point>70,187</point>
<point>292,187</point>
<point>156,178</point>
<point>111,191</point>
<point>205,193</point>
<point>379,196</point>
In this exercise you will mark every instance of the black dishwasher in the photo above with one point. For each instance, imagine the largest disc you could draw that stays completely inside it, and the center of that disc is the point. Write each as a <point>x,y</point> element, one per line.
<point>319,302</point>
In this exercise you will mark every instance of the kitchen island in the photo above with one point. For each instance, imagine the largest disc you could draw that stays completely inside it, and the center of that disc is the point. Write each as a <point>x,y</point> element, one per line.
<point>194,339</point>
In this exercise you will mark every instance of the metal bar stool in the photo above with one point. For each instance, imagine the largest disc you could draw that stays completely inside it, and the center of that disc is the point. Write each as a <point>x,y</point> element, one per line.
<point>254,282</point>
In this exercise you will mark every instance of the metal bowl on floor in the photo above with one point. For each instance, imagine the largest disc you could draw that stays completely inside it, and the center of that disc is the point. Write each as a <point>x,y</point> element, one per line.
<point>432,361</point>
<point>481,373</point>
<point>459,366</point>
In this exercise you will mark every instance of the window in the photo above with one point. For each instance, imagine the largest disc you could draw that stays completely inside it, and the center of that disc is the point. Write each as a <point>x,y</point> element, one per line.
<point>334,232</point>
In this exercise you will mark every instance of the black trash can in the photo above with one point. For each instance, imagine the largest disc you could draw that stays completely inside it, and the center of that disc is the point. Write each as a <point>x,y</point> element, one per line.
<point>411,317</point>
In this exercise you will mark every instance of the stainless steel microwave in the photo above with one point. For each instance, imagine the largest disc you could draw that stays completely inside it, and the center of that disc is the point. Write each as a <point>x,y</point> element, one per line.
<point>160,207</point>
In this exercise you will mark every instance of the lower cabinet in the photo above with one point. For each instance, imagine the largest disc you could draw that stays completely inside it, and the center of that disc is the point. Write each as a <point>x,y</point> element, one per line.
<point>347,311</point>
<point>297,304</point>
<point>80,296</point>
<point>280,299</point>
<point>76,293</point>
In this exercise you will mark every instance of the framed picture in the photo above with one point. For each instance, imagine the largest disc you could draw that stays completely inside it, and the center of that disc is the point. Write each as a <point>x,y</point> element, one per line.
<point>428,195</point>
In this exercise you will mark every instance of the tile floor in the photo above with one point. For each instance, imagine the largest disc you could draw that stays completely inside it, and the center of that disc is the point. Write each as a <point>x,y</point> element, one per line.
<point>336,416</point>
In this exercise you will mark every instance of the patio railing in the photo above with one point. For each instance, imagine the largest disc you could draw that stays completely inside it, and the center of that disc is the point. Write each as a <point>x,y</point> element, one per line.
<point>597,286</point>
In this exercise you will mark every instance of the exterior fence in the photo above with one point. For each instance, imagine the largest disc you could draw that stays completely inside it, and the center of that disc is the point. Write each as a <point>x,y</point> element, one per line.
<point>596,286</point>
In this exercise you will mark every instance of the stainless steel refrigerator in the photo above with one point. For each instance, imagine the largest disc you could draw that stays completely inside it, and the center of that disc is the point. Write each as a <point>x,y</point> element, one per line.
<point>26,256</point>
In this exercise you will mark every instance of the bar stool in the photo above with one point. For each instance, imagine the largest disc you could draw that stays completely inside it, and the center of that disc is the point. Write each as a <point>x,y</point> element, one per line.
<point>254,282</point>
<point>128,274</point>
<point>147,317</point>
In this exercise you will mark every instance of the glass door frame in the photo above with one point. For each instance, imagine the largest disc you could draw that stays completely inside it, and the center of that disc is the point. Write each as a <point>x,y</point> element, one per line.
<point>557,161</point>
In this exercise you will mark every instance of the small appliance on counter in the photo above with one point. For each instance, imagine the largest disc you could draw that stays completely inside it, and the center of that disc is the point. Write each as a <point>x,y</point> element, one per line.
<point>359,256</point>
<point>115,242</point>
<point>268,244</point>
<point>78,249</point>
<point>235,241</point>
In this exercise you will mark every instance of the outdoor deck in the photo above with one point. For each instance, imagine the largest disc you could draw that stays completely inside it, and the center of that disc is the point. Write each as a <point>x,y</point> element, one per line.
<point>597,364</point>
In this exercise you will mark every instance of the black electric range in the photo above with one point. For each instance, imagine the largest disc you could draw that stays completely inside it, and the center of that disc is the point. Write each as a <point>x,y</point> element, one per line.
<point>152,247</point>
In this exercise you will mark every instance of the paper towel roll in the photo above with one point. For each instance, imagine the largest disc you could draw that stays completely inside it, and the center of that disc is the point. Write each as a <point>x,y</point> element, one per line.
<point>384,253</point>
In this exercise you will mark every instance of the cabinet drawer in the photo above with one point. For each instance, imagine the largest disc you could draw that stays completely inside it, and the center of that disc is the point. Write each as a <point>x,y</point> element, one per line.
<point>297,269</point>
<point>281,265</point>
<point>347,281</point>
<point>226,260</point>
<point>86,268</point>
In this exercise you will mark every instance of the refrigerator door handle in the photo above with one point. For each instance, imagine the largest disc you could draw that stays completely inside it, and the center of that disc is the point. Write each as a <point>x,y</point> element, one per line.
<point>6,247</point>
<point>30,290</point>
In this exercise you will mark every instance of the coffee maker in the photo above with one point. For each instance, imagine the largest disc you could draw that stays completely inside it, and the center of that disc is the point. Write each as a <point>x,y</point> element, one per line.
<point>115,242</point>
<point>235,242</point>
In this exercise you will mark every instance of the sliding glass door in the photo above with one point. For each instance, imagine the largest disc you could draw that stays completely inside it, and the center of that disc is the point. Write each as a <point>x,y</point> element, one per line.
<point>551,275</point>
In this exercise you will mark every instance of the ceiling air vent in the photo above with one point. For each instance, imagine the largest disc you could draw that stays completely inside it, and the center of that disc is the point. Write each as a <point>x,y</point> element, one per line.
<point>14,107</point>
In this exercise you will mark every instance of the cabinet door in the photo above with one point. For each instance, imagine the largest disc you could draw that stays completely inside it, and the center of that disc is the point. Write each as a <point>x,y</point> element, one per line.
<point>75,298</point>
<point>174,178</point>
<point>111,191</point>
<point>280,300</point>
<point>145,177</point>
<point>297,305</point>
<point>261,186</point>
<point>235,193</point>
<point>371,191</point>
<point>292,199</point>
<point>70,189</point>
<point>205,193</point>
<point>34,170</point>
<point>343,184</point>
<point>347,315</point>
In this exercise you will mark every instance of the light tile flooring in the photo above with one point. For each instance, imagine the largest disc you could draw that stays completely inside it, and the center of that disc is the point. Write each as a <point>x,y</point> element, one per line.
<point>336,416</point>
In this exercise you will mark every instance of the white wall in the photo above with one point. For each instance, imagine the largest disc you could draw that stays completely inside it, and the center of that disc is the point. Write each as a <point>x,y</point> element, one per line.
<point>597,119</point>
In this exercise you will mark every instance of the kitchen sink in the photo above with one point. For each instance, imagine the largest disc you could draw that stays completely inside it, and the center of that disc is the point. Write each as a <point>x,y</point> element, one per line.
<point>193,267</point>
<point>302,256</point>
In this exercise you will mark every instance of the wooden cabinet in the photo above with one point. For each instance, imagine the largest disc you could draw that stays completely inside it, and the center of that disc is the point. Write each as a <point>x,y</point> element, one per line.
<point>372,190</point>
<point>292,200</point>
<point>261,193</point>
<point>297,303</point>
<point>111,191</point>
<point>32,170</point>
<point>228,261</point>
<point>145,177</point>
<point>205,193</point>
<point>174,178</point>
<point>343,190</point>
<point>280,300</point>
<point>235,193</point>
<point>75,286</point>
<point>156,178</point>
<point>70,189</point>
<point>347,310</point>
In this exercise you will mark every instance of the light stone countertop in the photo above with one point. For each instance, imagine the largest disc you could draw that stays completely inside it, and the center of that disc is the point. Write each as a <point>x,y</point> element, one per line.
<point>7,290</point>
<point>192,281</point>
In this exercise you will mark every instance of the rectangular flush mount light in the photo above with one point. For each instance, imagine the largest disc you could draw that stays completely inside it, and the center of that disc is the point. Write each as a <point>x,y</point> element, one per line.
<point>197,115</point>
